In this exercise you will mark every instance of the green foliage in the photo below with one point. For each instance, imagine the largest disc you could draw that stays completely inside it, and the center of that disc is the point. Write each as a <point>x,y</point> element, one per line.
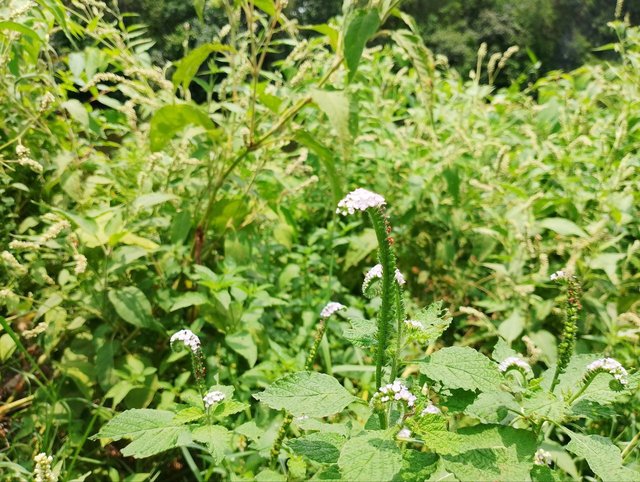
<point>142,199</point>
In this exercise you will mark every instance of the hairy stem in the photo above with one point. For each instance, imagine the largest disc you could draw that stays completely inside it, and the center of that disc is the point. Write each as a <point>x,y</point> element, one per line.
<point>569,329</point>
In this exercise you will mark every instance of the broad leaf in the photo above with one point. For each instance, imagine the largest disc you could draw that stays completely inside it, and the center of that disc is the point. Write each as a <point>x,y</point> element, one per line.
<point>562,226</point>
<point>171,119</point>
<point>318,447</point>
<point>133,307</point>
<point>216,438</point>
<point>307,393</point>
<point>185,300</point>
<point>362,26</point>
<point>151,432</point>
<point>370,456</point>
<point>492,407</point>
<point>242,343</point>
<point>188,67</point>
<point>603,457</point>
<point>336,105</point>
<point>362,332</point>
<point>462,367</point>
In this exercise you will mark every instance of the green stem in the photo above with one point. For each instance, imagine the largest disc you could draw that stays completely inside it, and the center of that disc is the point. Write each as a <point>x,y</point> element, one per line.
<point>584,387</point>
<point>630,446</point>
<point>387,260</point>
<point>400,317</point>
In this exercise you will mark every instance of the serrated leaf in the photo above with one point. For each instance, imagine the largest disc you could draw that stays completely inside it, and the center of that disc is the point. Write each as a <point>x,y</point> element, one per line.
<point>307,393</point>
<point>603,457</point>
<point>363,24</point>
<point>151,432</point>
<point>416,466</point>
<point>362,332</point>
<point>435,320</point>
<point>370,456</point>
<point>487,464</point>
<point>216,438</point>
<point>318,447</point>
<point>462,367</point>
<point>492,407</point>
<point>432,429</point>
<point>545,404</point>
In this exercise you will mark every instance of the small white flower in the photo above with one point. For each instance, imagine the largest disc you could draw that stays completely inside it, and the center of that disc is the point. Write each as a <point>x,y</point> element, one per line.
<point>611,366</point>
<point>414,324</point>
<point>42,470</point>
<point>514,361</point>
<point>331,308</point>
<point>558,275</point>
<point>54,230</point>
<point>396,391</point>
<point>359,200</point>
<point>542,457</point>
<point>432,409</point>
<point>187,337</point>
<point>404,434</point>
<point>212,398</point>
<point>376,273</point>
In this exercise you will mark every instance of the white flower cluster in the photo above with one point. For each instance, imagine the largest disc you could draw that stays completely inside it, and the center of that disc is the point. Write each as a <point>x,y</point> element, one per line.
<point>376,273</point>
<point>396,391</point>
<point>431,409</point>
<point>212,398</point>
<point>331,308</point>
<point>514,361</point>
<point>611,366</point>
<point>558,275</point>
<point>187,337</point>
<point>42,470</point>
<point>404,434</point>
<point>359,200</point>
<point>13,263</point>
<point>24,159</point>
<point>81,263</point>
<point>542,457</point>
<point>414,324</point>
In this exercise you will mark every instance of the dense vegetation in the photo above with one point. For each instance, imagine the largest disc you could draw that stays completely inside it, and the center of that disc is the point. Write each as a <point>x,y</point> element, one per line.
<point>167,264</point>
<point>560,34</point>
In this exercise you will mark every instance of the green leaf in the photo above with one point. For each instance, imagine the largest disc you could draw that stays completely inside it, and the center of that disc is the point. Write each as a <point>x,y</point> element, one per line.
<point>242,343</point>
<point>492,407</point>
<point>545,404</point>
<point>198,6</point>
<point>360,29</point>
<point>462,367</point>
<point>171,119</point>
<point>360,247</point>
<point>7,347</point>
<point>192,298</point>
<point>151,432</point>
<point>362,332</point>
<point>187,67</point>
<point>511,328</point>
<point>602,455</point>
<point>152,199</point>
<point>266,6</point>
<point>133,307</point>
<point>318,447</point>
<point>336,105</point>
<point>372,455</point>
<point>268,475</point>
<point>416,466</point>
<point>435,320</point>
<point>488,464</point>
<point>562,226</point>
<point>327,159</point>
<point>216,438</point>
<point>77,111</point>
<point>307,393</point>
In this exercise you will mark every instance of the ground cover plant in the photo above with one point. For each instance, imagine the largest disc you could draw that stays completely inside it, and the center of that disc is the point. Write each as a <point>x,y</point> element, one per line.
<point>346,261</point>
